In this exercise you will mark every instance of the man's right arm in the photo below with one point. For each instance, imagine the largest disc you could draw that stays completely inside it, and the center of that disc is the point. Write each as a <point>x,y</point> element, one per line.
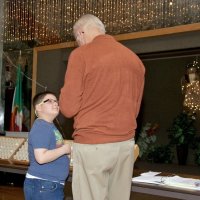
<point>71,93</point>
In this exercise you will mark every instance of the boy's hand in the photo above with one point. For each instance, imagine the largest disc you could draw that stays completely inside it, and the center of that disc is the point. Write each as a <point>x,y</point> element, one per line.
<point>66,148</point>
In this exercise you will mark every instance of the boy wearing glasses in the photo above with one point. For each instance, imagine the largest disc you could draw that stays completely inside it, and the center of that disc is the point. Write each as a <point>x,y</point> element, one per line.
<point>49,164</point>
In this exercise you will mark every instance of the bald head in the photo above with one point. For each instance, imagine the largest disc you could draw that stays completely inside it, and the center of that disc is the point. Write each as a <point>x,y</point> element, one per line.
<point>87,28</point>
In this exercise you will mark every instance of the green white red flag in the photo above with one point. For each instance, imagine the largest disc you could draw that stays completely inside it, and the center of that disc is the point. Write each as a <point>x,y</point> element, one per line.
<point>17,104</point>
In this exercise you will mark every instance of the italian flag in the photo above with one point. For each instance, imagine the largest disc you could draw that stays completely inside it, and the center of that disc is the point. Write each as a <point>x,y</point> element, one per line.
<point>17,114</point>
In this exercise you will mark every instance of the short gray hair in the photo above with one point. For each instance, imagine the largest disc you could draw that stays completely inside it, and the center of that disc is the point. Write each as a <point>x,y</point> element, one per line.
<point>89,20</point>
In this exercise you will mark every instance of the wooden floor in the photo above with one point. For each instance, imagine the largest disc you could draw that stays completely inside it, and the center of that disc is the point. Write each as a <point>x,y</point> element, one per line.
<point>11,186</point>
<point>16,193</point>
<point>11,193</point>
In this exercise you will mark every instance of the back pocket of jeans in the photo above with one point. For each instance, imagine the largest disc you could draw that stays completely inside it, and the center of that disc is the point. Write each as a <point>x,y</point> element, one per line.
<point>47,186</point>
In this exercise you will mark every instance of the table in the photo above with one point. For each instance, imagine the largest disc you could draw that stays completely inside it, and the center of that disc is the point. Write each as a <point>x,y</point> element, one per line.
<point>165,191</point>
<point>13,168</point>
<point>145,188</point>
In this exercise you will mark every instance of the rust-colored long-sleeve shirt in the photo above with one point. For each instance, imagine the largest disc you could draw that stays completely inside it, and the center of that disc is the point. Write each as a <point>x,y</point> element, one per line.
<point>103,90</point>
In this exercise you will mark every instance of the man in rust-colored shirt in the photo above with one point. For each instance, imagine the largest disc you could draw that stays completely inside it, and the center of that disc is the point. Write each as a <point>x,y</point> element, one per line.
<point>102,90</point>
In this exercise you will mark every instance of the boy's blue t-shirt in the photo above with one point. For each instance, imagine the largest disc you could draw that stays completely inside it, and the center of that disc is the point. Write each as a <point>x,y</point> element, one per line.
<point>45,135</point>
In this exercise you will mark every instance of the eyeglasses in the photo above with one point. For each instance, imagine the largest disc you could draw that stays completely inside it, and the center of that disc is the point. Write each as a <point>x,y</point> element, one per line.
<point>49,101</point>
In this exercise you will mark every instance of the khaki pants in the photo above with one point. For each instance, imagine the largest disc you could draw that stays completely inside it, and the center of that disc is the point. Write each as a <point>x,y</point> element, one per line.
<point>102,171</point>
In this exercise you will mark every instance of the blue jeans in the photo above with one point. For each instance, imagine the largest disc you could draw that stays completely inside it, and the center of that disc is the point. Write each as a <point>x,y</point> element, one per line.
<point>36,189</point>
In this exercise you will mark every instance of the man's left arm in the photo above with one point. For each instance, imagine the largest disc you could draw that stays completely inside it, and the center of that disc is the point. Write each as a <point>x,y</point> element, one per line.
<point>141,89</point>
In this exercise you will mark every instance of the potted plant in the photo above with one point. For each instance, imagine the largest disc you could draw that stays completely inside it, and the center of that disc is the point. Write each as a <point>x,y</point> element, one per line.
<point>196,146</point>
<point>160,154</point>
<point>182,133</point>
<point>146,139</point>
<point>197,155</point>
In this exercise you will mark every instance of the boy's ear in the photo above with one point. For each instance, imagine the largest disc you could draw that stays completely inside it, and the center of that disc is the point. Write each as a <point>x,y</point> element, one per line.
<point>36,113</point>
<point>38,108</point>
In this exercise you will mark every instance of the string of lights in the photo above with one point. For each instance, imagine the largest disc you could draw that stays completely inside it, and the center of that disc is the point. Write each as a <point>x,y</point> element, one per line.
<point>191,87</point>
<point>51,21</point>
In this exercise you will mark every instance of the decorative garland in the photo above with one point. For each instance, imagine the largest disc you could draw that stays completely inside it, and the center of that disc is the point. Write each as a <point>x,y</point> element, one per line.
<point>51,21</point>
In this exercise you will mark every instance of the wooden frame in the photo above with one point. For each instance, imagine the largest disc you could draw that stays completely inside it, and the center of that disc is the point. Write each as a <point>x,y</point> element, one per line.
<point>121,37</point>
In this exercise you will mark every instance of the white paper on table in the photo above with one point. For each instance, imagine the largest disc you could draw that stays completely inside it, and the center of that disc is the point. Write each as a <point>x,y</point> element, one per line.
<point>150,173</point>
<point>149,179</point>
<point>175,181</point>
<point>187,183</point>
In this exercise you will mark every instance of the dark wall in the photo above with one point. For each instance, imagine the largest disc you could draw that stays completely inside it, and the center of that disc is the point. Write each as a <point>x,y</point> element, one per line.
<point>51,70</point>
<point>163,98</point>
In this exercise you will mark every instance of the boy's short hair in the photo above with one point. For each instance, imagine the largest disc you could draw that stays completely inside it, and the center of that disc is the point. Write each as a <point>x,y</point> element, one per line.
<point>38,98</point>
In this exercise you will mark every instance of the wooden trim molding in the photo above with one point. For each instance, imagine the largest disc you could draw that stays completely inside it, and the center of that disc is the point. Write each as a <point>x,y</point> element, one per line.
<point>159,32</point>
